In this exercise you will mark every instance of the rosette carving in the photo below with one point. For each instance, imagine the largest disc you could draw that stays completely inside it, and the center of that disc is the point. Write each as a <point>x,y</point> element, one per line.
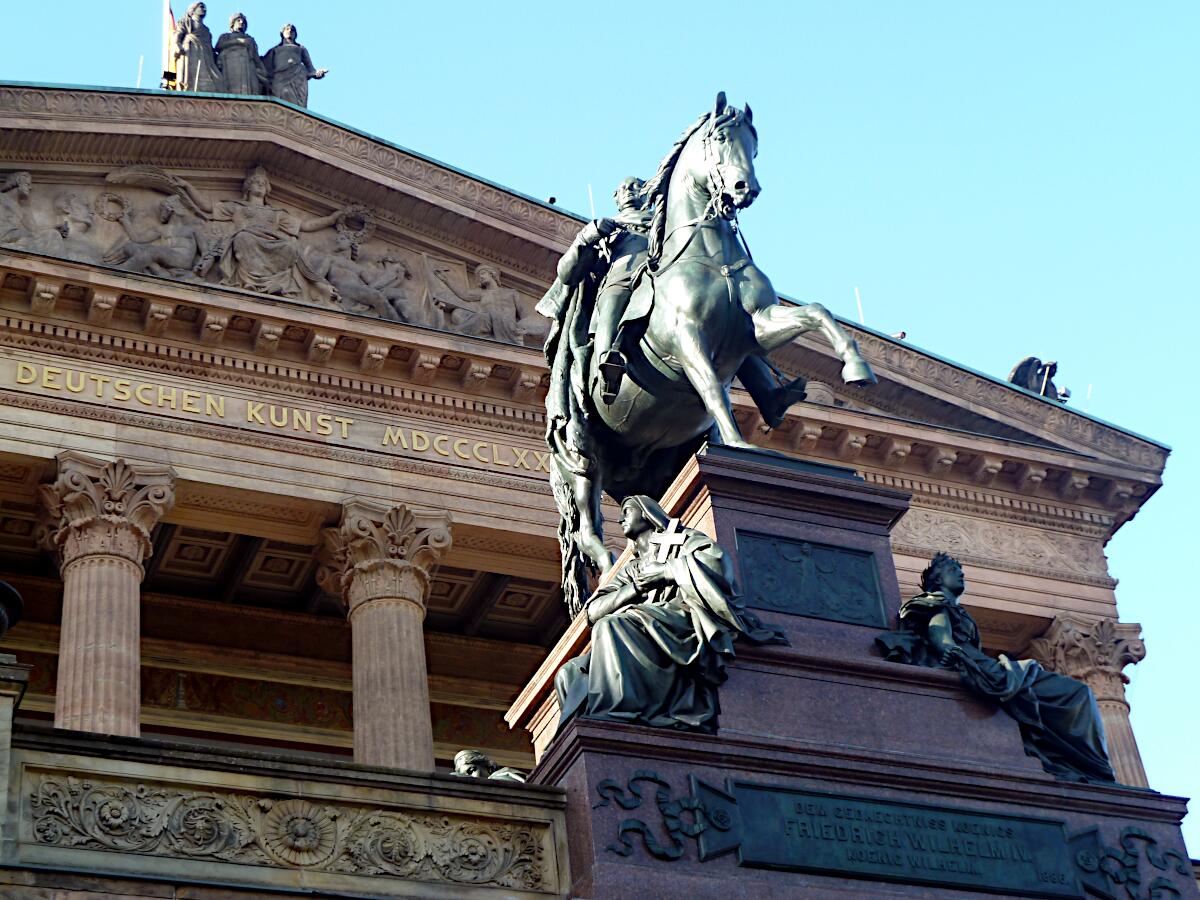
<point>379,551</point>
<point>95,506</point>
<point>164,820</point>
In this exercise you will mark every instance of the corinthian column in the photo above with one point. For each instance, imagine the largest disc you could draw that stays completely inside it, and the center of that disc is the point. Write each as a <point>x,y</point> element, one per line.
<point>380,561</point>
<point>97,518</point>
<point>1095,652</point>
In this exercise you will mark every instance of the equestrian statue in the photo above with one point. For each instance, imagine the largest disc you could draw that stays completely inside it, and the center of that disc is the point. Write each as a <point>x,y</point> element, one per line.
<point>653,314</point>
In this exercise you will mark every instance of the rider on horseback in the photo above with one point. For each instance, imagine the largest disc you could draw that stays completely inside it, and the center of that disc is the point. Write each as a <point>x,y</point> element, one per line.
<point>610,251</point>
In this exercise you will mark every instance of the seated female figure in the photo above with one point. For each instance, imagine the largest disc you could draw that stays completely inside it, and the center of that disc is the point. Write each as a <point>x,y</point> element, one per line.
<point>1059,720</point>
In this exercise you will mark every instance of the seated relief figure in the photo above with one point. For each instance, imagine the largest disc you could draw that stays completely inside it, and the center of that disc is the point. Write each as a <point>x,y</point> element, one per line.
<point>168,247</point>
<point>1059,720</point>
<point>18,226</point>
<point>663,630</point>
<point>490,311</point>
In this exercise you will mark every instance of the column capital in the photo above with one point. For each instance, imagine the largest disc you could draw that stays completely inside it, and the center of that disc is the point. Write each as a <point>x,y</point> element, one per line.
<point>102,507</point>
<point>1094,651</point>
<point>382,552</point>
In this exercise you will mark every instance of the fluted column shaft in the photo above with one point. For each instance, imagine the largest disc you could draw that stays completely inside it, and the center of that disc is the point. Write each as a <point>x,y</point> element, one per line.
<point>99,658</point>
<point>1096,653</point>
<point>382,560</point>
<point>97,518</point>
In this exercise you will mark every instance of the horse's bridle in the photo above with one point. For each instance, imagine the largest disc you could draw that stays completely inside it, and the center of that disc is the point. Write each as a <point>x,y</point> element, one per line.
<point>715,208</point>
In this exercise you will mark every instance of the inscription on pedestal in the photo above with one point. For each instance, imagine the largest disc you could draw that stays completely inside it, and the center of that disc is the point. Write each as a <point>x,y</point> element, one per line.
<point>809,831</point>
<point>805,578</point>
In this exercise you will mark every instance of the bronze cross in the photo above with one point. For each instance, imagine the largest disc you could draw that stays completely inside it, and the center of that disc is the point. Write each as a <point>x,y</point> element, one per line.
<point>665,540</point>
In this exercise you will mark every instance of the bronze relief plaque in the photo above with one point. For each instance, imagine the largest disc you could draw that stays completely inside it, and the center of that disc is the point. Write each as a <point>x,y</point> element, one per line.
<point>806,578</point>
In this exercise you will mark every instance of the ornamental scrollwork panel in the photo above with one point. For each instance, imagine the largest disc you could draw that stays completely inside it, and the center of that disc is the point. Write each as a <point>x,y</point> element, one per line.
<point>1008,546</point>
<point>165,820</point>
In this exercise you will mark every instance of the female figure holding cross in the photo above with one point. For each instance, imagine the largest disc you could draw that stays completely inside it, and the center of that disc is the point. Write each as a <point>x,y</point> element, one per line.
<point>663,629</point>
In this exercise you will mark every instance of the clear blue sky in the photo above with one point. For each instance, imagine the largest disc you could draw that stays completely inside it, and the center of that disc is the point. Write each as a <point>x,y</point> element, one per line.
<point>999,180</point>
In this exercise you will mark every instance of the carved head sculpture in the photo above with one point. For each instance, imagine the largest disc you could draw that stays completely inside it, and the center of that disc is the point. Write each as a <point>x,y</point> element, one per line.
<point>257,184</point>
<point>21,182</point>
<point>640,513</point>
<point>629,194</point>
<point>238,23</point>
<point>390,260</point>
<point>169,208</point>
<point>288,33</point>
<point>473,764</point>
<point>487,276</point>
<point>944,573</point>
<point>75,210</point>
<point>197,11</point>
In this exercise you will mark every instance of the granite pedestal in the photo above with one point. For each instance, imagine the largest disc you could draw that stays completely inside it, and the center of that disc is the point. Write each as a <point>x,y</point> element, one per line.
<point>834,773</point>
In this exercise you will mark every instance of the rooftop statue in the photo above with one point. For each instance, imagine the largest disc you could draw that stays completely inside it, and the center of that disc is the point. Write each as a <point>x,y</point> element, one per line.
<point>663,630</point>
<point>1034,375</point>
<point>644,343</point>
<point>196,65</point>
<point>237,57</point>
<point>1058,716</point>
<point>289,67</point>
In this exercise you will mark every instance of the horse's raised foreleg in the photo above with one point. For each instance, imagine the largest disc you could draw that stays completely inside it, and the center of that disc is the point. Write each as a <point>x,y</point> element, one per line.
<point>696,357</point>
<point>776,325</point>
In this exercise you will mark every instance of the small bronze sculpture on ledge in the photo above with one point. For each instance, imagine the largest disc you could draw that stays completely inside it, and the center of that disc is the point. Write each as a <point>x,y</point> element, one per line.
<point>663,630</point>
<point>11,607</point>
<point>1058,716</point>
<point>477,764</point>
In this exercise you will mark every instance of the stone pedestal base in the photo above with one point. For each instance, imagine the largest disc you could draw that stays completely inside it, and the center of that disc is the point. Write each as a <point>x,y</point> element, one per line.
<point>757,817</point>
<point>834,773</point>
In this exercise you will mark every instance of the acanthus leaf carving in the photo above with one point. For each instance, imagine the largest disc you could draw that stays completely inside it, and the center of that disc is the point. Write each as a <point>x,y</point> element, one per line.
<point>1094,651</point>
<point>92,504</point>
<point>372,536</point>
<point>165,820</point>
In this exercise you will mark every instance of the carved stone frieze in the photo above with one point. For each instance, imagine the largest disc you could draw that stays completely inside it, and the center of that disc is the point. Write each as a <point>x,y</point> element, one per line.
<point>1002,545</point>
<point>97,507</point>
<point>153,222</point>
<point>1095,652</point>
<point>147,818</point>
<point>382,552</point>
<point>331,141</point>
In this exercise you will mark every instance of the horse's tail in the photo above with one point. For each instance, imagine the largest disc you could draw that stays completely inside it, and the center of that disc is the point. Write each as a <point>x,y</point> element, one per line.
<point>572,454</point>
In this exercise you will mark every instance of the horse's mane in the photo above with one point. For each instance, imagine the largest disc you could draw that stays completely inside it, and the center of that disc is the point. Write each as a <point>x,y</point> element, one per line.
<point>654,193</point>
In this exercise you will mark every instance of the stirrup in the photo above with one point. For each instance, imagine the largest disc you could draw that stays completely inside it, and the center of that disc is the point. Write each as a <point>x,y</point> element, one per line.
<point>612,369</point>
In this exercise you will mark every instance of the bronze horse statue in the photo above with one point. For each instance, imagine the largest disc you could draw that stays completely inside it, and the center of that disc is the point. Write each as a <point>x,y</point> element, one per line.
<point>700,314</point>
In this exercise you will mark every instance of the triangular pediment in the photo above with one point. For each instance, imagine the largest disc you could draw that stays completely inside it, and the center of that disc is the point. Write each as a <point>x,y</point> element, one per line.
<point>420,230</point>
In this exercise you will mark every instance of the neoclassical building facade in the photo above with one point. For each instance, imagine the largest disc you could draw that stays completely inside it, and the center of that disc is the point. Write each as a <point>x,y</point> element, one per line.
<point>274,489</point>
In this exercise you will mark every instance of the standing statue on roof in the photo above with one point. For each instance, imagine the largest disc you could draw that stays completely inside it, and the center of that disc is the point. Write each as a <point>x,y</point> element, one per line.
<point>237,57</point>
<point>195,63</point>
<point>644,345</point>
<point>289,67</point>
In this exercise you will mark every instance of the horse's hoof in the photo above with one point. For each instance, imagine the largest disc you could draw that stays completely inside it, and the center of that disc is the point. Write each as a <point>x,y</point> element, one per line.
<point>856,371</point>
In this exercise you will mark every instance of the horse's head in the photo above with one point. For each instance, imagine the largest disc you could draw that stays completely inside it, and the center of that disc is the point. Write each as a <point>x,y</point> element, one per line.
<point>720,156</point>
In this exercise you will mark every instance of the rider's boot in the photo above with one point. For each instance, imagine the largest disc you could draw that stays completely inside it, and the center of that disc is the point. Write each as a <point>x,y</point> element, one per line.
<point>781,400</point>
<point>612,370</point>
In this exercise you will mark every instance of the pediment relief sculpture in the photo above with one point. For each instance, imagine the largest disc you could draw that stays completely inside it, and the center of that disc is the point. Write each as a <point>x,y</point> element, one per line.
<point>153,222</point>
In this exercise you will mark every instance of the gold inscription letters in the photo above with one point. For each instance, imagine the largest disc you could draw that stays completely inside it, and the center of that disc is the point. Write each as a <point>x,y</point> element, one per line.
<point>111,390</point>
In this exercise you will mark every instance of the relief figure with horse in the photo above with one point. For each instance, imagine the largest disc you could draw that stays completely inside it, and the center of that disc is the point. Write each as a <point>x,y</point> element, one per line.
<point>653,315</point>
